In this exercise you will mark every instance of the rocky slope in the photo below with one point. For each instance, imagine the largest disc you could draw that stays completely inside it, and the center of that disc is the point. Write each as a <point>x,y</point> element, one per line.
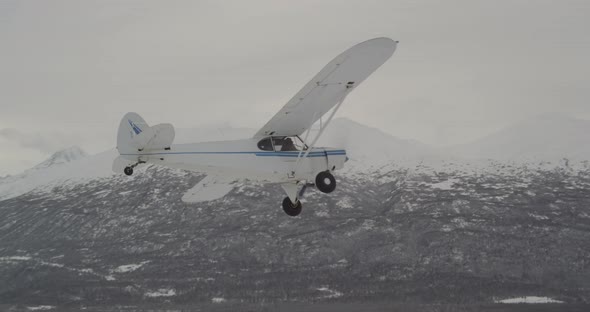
<point>399,234</point>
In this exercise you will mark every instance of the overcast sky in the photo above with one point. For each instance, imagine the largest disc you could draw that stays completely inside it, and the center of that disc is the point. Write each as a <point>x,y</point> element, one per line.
<point>69,70</point>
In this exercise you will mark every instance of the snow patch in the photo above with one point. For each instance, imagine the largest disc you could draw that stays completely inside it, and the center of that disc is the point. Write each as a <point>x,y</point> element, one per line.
<point>538,217</point>
<point>50,264</point>
<point>109,278</point>
<point>41,308</point>
<point>15,258</point>
<point>322,213</point>
<point>162,292</point>
<point>368,225</point>
<point>445,185</point>
<point>129,267</point>
<point>460,222</point>
<point>218,300</point>
<point>529,299</point>
<point>329,293</point>
<point>345,202</point>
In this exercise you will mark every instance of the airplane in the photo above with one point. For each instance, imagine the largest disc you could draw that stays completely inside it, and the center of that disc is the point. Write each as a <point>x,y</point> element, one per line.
<point>278,153</point>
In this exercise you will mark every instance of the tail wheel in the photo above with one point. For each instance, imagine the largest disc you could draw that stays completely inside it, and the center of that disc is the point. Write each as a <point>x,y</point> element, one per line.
<point>128,171</point>
<point>290,208</point>
<point>325,182</point>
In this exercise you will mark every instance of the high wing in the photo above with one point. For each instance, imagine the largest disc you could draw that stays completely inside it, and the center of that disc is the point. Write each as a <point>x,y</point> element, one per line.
<point>329,87</point>
<point>209,188</point>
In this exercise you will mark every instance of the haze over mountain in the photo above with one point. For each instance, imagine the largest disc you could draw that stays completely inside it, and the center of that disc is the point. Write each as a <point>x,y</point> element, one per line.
<point>406,223</point>
<point>545,137</point>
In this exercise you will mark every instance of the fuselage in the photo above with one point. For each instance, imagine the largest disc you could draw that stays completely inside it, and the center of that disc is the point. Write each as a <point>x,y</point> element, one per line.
<point>243,159</point>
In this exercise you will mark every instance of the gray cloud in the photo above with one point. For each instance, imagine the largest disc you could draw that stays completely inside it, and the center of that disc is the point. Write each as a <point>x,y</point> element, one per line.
<point>43,143</point>
<point>463,68</point>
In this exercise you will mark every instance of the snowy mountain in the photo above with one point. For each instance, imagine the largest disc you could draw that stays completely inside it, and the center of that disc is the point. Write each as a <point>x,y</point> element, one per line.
<point>545,140</point>
<point>75,234</point>
<point>62,157</point>
<point>542,141</point>
<point>545,137</point>
<point>395,235</point>
<point>68,166</point>
<point>368,148</point>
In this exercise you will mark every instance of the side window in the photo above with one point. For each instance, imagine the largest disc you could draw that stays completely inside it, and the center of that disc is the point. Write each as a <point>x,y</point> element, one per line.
<point>265,144</point>
<point>287,144</point>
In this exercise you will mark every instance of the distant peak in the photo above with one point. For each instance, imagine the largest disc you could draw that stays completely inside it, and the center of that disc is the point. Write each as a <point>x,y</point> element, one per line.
<point>345,119</point>
<point>553,117</point>
<point>347,122</point>
<point>63,156</point>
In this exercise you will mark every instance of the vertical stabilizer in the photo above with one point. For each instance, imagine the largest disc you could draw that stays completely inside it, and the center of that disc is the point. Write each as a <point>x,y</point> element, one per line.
<point>129,136</point>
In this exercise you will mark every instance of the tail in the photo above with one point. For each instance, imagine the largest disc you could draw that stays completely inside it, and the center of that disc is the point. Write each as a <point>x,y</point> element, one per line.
<point>136,138</point>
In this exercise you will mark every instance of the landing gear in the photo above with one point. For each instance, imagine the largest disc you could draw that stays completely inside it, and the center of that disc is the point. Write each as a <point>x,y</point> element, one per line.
<point>290,208</point>
<point>129,169</point>
<point>325,182</point>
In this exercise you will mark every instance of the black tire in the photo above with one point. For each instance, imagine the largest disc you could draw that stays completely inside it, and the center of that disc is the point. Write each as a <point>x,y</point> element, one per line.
<point>128,171</point>
<point>291,209</point>
<point>325,182</point>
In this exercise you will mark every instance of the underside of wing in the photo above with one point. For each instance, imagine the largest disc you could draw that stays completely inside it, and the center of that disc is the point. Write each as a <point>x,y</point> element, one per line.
<point>328,87</point>
<point>207,189</point>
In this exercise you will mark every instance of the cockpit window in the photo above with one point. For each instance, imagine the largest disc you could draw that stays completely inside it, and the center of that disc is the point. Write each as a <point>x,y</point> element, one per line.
<point>288,145</point>
<point>282,144</point>
<point>265,145</point>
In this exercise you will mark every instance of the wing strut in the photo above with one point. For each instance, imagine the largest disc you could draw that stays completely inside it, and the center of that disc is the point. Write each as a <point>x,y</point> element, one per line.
<point>322,128</point>
<point>306,136</point>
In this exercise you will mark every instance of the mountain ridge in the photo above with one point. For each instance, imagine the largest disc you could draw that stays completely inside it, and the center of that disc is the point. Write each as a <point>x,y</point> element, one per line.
<point>438,231</point>
<point>543,137</point>
<point>395,235</point>
<point>368,149</point>
<point>62,156</point>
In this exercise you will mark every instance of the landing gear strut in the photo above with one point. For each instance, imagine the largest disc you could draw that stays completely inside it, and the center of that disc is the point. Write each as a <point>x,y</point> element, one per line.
<point>290,208</point>
<point>325,182</point>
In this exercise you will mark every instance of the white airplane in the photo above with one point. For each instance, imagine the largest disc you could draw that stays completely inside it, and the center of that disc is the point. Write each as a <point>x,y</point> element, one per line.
<point>276,153</point>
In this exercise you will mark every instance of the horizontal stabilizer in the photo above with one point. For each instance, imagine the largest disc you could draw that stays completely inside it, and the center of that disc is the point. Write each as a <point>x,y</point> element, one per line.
<point>135,135</point>
<point>156,137</point>
<point>120,163</point>
<point>207,189</point>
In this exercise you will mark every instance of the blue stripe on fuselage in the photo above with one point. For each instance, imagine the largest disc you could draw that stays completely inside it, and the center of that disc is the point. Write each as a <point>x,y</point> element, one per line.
<point>264,154</point>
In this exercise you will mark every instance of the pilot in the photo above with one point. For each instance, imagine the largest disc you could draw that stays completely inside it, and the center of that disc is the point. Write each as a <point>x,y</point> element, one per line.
<point>288,145</point>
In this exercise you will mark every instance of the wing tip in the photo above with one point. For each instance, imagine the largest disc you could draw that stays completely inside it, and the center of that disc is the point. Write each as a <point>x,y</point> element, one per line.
<point>384,42</point>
